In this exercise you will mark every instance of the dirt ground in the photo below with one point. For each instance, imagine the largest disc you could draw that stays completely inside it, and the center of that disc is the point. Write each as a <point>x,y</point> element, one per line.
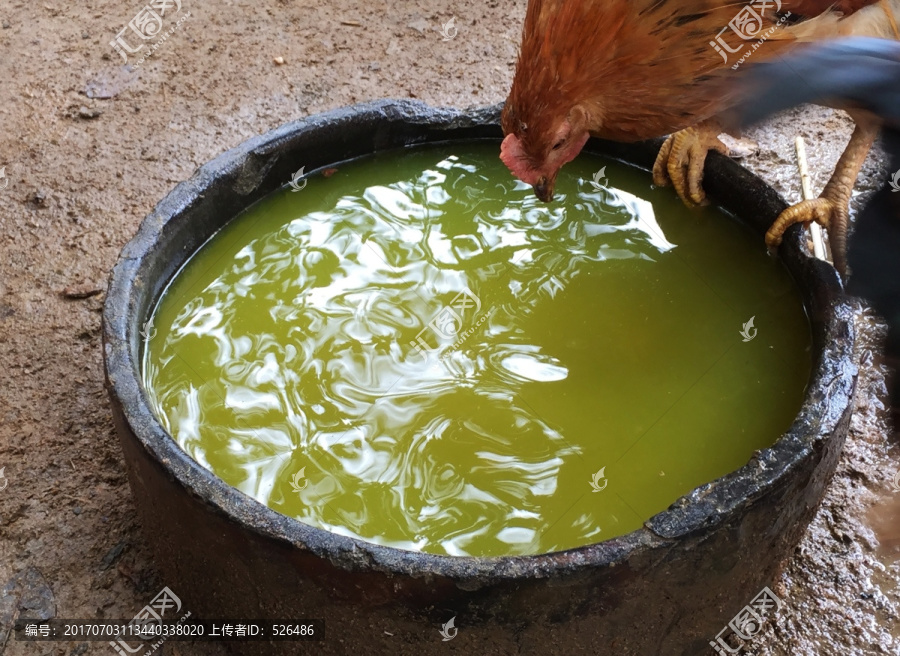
<point>90,145</point>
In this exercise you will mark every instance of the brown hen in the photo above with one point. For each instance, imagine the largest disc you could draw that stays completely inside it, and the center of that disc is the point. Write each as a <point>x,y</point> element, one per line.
<point>629,70</point>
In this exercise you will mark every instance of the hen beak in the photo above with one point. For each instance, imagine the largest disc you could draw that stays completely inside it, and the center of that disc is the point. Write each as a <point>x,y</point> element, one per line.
<point>544,189</point>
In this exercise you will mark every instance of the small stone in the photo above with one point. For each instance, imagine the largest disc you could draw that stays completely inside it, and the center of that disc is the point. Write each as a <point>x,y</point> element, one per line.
<point>739,147</point>
<point>108,84</point>
<point>279,61</point>
<point>39,198</point>
<point>27,596</point>
<point>6,25</point>
<point>374,66</point>
<point>80,292</point>
<point>88,114</point>
<point>112,556</point>
<point>77,510</point>
<point>420,25</point>
<point>85,35</point>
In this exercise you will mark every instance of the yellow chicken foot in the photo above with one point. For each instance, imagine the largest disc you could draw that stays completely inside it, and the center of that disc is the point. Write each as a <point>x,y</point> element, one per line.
<point>832,208</point>
<point>681,159</point>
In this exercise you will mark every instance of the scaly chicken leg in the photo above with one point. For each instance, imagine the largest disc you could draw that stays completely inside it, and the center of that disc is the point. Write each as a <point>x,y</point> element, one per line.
<point>831,209</point>
<point>682,157</point>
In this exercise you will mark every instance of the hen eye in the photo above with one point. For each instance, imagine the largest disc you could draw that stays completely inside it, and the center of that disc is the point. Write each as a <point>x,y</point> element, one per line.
<point>559,144</point>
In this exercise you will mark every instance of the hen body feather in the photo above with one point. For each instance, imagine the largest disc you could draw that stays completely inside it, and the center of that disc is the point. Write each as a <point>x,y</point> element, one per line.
<point>640,69</point>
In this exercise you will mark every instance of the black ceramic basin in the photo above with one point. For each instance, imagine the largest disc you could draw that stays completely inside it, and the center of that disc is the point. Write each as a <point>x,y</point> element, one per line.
<point>668,588</point>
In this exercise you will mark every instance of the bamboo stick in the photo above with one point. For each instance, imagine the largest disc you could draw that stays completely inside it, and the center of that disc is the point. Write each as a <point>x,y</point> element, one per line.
<point>819,248</point>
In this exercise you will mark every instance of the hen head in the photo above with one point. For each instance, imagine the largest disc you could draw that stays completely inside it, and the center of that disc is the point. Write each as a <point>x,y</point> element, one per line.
<point>550,110</point>
<point>536,147</point>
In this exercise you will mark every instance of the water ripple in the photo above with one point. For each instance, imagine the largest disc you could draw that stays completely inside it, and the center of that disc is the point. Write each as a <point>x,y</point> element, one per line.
<point>380,342</point>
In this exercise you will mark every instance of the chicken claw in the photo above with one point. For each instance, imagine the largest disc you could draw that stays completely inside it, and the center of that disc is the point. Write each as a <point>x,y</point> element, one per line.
<point>832,208</point>
<point>831,213</point>
<point>681,160</point>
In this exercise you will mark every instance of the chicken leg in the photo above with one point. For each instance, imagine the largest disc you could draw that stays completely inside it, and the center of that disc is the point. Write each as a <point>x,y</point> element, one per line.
<point>832,208</point>
<point>682,157</point>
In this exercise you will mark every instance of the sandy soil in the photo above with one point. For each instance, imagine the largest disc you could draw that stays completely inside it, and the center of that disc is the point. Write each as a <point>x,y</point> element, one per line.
<point>89,146</point>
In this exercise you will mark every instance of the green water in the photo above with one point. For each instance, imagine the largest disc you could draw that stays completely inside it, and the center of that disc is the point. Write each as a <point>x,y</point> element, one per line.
<point>417,352</point>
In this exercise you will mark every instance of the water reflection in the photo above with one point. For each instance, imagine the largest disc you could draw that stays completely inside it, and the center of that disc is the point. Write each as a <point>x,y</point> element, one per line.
<point>309,329</point>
